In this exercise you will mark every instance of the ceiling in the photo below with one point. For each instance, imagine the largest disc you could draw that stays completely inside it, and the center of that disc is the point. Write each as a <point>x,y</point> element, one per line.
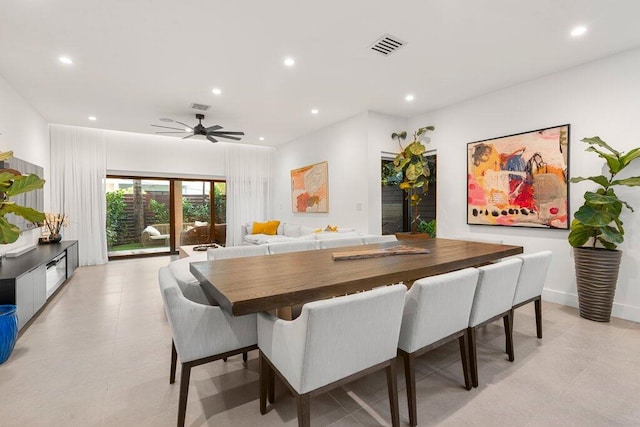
<point>138,61</point>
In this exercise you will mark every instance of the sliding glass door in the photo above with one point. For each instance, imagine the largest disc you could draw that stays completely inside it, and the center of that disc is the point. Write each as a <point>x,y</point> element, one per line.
<point>157,215</point>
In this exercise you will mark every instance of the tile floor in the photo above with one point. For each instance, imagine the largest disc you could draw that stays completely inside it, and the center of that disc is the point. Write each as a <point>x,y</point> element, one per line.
<point>99,355</point>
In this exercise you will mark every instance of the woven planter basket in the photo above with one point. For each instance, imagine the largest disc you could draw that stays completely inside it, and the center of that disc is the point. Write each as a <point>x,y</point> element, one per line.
<point>596,277</point>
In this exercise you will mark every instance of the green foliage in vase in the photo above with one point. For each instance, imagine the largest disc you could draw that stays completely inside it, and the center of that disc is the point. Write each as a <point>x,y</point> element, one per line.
<point>598,219</point>
<point>12,183</point>
<point>412,163</point>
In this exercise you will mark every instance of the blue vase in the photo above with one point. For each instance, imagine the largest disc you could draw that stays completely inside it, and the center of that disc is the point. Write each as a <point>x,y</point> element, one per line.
<point>8,331</point>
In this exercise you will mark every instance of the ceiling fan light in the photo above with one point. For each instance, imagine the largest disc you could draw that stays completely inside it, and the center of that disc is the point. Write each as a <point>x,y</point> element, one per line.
<point>216,91</point>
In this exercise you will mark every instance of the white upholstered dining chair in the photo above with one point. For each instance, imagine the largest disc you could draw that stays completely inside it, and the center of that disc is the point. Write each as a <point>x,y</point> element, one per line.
<point>530,283</point>
<point>201,334</point>
<point>380,239</point>
<point>436,311</point>
<point>298,246</point>
<point>236,252</point>
<point>493,300</point>
<point>339,243</point>
<point>331,343</point>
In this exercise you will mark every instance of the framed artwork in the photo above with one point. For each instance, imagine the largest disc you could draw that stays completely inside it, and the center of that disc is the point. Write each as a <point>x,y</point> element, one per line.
<point>309,188</point>
<point>519,180</point>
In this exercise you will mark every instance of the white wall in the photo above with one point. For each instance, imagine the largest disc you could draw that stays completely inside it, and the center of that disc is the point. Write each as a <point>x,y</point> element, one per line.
<point>352,148</point>
<point>153,155</point>
<point>600,98</point>
<point>24,131</point>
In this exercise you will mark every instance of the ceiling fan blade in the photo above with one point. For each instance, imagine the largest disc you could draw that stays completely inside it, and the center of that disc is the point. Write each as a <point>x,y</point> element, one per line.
<point>227,137</point>
<point>225,132</point>
<point>184,124</point>
<point>167,127</point>
<point>188,136</point>
<point>175,131</point>
<point>211,139</point>
<point>214,127</point>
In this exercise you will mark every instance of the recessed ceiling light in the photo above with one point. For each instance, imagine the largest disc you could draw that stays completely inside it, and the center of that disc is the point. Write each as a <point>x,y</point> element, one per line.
<point>314,111</point>
<point>578,31</point>
<point>216,91</point>
<point>93,118</point>
<point>409,98</point>
<point>65,60</point>
<point>261,138</point>
<point>289,62</point>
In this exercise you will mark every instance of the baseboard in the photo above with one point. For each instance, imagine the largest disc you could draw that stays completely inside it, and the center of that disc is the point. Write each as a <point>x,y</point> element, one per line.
<point>20,250</point>
<point>623,311</point>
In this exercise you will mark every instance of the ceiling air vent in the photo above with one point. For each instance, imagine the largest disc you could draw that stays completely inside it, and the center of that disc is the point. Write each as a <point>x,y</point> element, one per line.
<point>200,107</point>
<point>387,44</point>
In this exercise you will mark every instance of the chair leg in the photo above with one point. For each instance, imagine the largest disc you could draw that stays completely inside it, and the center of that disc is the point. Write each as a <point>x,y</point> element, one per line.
<point>184,391</point>
<point>508,331</point>
<point>174,361</point>
<point>473,356</point>
<point>538,304</point>
<point>304,410</point>
<point>506,338</point>
<point>272,385</point>
<point>392,384</point>
<point>224,359</point>
<point>410,380</point>
<point>245,357</point>
<point>264,379</point>
<point>463,342</point>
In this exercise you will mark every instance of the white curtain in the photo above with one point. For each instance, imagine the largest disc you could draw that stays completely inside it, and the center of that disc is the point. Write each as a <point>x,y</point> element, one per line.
<point>249,171</point>
<point>78,171</point>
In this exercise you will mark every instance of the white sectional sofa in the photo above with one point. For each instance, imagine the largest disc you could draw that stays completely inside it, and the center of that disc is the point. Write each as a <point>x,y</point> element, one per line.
<point>294,232</point>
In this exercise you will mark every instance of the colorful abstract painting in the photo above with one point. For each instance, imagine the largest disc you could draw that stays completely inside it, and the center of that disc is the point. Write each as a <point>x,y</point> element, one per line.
<point>519,180</point>
<point>309,188</point>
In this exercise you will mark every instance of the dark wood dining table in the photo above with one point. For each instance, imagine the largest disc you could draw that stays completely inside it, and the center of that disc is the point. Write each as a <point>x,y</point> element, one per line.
<point>263,283</point>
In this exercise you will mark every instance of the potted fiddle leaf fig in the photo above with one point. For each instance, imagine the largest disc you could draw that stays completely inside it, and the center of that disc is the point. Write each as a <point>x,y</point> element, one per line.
<point>12,183</point>
<point>596,232</point>
<point>412,162</point>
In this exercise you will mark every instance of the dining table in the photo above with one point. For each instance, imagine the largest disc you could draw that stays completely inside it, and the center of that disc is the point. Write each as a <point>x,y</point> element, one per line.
<point>270,282</point>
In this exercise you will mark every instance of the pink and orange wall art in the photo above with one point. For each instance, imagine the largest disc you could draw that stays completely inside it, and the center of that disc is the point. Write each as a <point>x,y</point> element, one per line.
<point>519,180</point>
<point>309,188</point>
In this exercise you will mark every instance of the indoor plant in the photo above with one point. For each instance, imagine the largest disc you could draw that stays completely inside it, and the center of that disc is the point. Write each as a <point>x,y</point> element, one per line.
<point>597,224</point>
<point>12,183</point>
<point>412,162</point>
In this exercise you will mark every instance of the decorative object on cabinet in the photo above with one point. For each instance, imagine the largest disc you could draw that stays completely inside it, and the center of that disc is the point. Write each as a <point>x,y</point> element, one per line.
<point>598,222</point>
<point>519,180</point>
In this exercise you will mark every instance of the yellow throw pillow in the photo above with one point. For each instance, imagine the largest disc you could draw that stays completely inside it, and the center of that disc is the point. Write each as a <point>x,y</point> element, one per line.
<point>258,228</point>
<point>271,228</point>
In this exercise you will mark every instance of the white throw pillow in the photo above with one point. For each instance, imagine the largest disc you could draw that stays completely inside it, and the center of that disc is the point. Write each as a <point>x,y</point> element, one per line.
<point>329,235</point>
<point>152,231</point>
<point>200,223</point>
<point>291,230</point>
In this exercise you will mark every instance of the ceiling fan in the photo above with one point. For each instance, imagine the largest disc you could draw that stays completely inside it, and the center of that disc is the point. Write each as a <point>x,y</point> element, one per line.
<point>211,132</point>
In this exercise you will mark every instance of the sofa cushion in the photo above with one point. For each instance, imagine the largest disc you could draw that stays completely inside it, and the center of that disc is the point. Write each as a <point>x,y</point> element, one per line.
<point>333,235</point>
<point>200,223</point>
<point>258,227</point>
<point>151,231</point>
<point>271,228</point>
<point>291,230</point>
<point>304,230</point>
